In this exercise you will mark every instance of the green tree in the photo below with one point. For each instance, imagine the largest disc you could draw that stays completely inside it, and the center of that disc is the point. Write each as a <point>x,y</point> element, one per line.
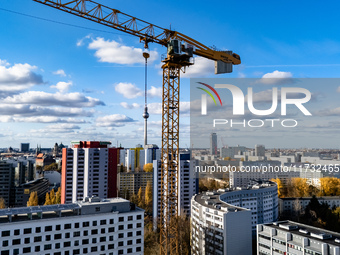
<point>148,167</point>
<point>33,199</point>
<point>2,203</point>
<point>47,199</point>
<point>58,196</point>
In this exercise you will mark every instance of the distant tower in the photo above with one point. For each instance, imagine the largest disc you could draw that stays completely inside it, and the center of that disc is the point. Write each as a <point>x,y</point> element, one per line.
<point>213,144</point>
<point>146,114</point>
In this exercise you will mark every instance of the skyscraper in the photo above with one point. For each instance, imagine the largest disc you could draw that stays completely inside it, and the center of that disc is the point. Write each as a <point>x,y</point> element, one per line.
<point>213,144</point>
<point>89,168</point>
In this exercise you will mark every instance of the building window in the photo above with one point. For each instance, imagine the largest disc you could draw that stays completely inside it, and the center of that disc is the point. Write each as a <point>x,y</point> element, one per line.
<point>103,231</point>
<point>139,233</point>
<point>120,235</point>
<point>139,217</point>
<point>27,231</point>
<point>37,239</point>
<point>111,238</point>
<point>67,235</point>
<point>76,225</point>
<point>139,241</point>
<point>67,244</point>
<point>111,221</point>
<point>129,242</point>
<point>57,236</point>
<point>94,223</point>
<point>48,228</point>
<point>112,229</point>
<point>47,247</point>
<point>85,250</point>
<point>67,226</point>
<point>94,248</point>
<point>57,245</point>
<point>86,233</point>
<point>85,241</point>
<point>5,243</point>
<point>103,239</point>
<point>97,209</point>
<point>27,240</point>
<point>86,224</point>
<point>120,252</point>
<point>94,240</point>
<point>130,226</point>
<point>17,232</point>
<point>121,227</point>
<point>111,246</point>
<point>57,227</point>
<point>76,234</point>
<point>130,217</point>
<point>5,233</point>
<point>37,248</point>
<point>129,250</point>
<point>139,225</point>
<point>139,249</point>
<point>48,238</point>
<point>121,219</point>
<point>94,231</point>
<point>5,252</point>
<point>75,252</point>
<point>103,222</point>
<point>129,234</point>
<point>16,242</point>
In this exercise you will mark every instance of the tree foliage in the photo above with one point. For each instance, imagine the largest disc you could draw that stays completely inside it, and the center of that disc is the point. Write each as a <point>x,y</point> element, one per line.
<point>148,197</point>
<point>148,167</point>
<point>33,199</point>
<point>2,203</point>
<point>58,196</point>
<point>51,167</point>
<point>47,199</point>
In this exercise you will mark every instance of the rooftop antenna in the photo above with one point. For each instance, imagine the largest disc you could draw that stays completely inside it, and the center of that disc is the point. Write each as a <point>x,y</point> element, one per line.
<point>146,55</point>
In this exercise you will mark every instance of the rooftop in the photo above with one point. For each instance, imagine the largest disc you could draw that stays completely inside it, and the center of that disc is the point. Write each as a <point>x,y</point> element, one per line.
<point>310,232</point>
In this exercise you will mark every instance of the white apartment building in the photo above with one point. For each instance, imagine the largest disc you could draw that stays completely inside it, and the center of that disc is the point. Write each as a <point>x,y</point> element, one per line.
<point>188,184</point>
<point>218,228</point>
<point>93,226</point>
<point>287,237</point>
<point>261,198</point>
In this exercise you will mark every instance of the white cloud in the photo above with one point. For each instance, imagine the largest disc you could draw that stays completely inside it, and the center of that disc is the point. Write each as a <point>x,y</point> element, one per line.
<point>156,108</point>
<point>202,67</point>
<point>128,90</point>
<point>130,106</point>
<point>21,110</point>
<point>338,90</point>
<point>41,98</point>
<point>329,112</point>
<point>277,77</point>
<point>60,72</point>
<point>114,120</point>
<point>62,86</point>
<point>80,42</point>
<point>49,119</point>
<point>155,92</point>
<point>115,52</point>
<point>18,77</point>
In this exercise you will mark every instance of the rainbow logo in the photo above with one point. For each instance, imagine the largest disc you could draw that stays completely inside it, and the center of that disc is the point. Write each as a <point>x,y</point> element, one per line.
<point>209,93</point>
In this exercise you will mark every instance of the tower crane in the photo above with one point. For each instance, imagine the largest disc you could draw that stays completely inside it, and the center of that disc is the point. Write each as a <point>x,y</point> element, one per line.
<point>180,50</point>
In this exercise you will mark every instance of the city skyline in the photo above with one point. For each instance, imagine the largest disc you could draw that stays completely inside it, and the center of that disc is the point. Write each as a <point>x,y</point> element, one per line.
<point>63,83</point>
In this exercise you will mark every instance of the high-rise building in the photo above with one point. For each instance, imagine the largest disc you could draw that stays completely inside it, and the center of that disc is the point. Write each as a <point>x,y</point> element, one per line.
<point>219,228</point>
<point>260,150</point>
<point>232,151</point>
<point>6,182</point>
<point>213,144</point>
<point>187,184</point>
<point>24,147</point>
<point>93,226</point>
<point>288,237</point>
<point>23,191</point>
<point>89,168</point>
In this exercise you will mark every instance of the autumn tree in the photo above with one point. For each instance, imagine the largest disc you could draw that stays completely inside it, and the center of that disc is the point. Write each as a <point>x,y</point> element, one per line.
<point>2,203</point>
<point>51,167</point>
<point>140,197</point>
<point>148,196</point>
<point>58,196</point>
<point>52,197</point>
<point>33,199</point>
<point>330,186</point>
<point>47,199</point>
<point>280,190</point>
<point>148,167</point>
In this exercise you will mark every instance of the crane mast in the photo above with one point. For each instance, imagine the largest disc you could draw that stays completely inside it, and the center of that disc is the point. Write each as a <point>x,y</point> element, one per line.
<point>180,49</point>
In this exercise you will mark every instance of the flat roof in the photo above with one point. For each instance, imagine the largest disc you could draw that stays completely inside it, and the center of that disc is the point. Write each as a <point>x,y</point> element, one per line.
<point>310,232</point>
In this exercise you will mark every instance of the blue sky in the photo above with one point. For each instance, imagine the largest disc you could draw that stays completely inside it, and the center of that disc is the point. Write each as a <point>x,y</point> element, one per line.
<point>60,83</point>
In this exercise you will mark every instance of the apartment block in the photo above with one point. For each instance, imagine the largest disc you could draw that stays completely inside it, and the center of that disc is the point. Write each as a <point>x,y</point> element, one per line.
<point>89,168</point>
<point>288,237</point>
<point>92,226</point>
